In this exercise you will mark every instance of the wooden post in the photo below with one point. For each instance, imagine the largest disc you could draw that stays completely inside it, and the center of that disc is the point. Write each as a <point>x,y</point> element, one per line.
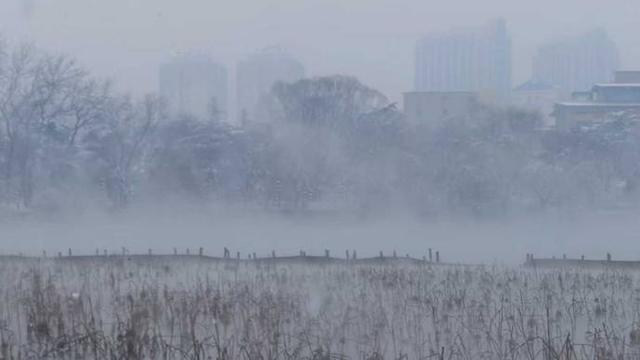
<point>273,254</point>
<point>327,254</point>
<point>394,254</point>
<point>430,255</point>
<point>381,255</point>
<point>69,251</point>
<point>59,253</point>
<point>582,258</point>
<point>608,256</point>
<point>437,256</point>
<point>354,255</point>
<point>188,252</point>
<point>346,252</point>
<point>201,251</point>
<point>254,256</point>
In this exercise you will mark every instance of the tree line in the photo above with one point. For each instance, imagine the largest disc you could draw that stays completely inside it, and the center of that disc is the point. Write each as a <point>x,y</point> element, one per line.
<point>69,140</point>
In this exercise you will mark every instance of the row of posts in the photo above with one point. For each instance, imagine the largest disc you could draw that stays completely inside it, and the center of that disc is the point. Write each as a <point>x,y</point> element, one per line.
<point>530,257</point>
<point>227,254</point>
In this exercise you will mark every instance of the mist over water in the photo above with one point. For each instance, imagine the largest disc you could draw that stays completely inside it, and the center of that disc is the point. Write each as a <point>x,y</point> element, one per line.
<point>498,241</point>
<point>494,141</point>
<point>488,188</point>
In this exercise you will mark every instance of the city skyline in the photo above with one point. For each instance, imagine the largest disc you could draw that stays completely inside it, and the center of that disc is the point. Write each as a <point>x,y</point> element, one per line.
<point>129,45</point>
<point>577,63</point>
<point>195,84</point>
<point>475,59</point>
<point>255,76</point>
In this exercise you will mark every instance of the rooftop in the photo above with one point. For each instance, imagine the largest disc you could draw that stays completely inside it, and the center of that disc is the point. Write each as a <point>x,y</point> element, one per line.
<point>618,85</point>
<point>596,104</point>
<point>441,92</point>
<point>534,85</point>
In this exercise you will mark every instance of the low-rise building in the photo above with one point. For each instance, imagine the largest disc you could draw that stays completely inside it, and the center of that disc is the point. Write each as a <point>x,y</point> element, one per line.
<point>537,96</point>
<point>603,99</point>
<point>435,107</point>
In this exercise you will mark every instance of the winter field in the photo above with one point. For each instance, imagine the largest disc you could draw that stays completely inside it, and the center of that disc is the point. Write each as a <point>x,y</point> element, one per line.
<point>180,307</point>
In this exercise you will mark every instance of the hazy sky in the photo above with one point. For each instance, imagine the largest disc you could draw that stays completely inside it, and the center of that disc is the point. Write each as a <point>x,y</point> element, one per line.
<point>372,39</point>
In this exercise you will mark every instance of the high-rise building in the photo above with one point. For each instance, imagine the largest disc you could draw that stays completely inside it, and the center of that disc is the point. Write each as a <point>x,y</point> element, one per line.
<point>257,74</point>
<point>196,85</point>
<point>577,64</point>
<point>476,60</point>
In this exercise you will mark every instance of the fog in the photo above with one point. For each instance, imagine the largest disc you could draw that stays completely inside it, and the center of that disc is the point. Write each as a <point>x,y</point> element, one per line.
<point>85,166</point>
<point>372,40</point>
<point>460,241</point>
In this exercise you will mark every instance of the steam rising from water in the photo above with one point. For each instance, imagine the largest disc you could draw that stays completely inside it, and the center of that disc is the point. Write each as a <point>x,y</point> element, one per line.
<point>458,241</point>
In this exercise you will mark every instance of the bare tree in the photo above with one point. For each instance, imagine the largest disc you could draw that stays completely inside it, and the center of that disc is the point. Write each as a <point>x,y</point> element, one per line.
<point>119,144</point>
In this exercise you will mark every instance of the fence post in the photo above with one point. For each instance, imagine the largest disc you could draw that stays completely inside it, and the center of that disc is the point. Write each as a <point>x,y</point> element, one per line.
<point>608,256</point>
<point>201,251</point>
<point>437,256</point>
<point>430,255</point>
<point>273,254</point>
<point>381,255</point>
<point>327,254</point>
<point>346,252</point>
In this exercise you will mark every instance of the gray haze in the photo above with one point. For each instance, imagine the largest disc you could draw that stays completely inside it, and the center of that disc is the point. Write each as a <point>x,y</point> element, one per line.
<point>459,241</point>
<point>372,39</point>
